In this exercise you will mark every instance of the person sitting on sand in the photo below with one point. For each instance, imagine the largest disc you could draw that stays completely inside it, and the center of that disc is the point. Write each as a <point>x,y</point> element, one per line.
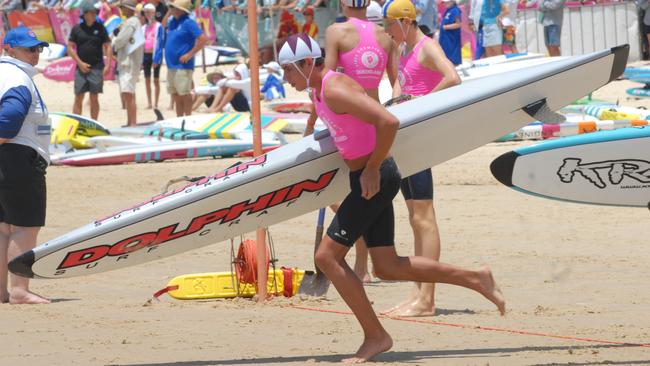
<point>235,91</point>
<point>363,132</point>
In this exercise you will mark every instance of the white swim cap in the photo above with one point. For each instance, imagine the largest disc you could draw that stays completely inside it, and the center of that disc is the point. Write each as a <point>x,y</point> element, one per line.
<point>298,47</point>
<point>356,3</point>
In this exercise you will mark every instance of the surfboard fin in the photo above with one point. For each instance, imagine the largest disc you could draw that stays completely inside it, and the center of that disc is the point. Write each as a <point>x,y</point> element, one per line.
<point>540,111</point>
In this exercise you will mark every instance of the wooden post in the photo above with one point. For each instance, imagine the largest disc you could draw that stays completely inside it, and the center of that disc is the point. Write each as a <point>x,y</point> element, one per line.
<point>253,52</point>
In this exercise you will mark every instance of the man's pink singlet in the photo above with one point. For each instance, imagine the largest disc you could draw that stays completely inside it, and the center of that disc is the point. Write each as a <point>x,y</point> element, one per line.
<point>367,61</point>
<point>414,78</point>
<point>353,137</point>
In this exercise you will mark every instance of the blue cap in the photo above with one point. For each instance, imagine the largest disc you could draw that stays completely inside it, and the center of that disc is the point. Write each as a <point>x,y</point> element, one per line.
<point>23,37</point>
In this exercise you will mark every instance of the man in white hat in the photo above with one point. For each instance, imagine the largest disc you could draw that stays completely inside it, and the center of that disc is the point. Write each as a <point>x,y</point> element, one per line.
<point>129,44</point>
<point>184,39</point>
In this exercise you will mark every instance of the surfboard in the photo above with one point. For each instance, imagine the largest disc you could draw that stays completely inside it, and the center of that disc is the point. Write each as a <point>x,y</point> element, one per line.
<point>549,131</point>
<point>53,51</point>
<point>643,92</point>
<point>309,173</point>
<point>606,168</point>
<point>215,55</point>
<point>215,125</point>
<point>156,152</point>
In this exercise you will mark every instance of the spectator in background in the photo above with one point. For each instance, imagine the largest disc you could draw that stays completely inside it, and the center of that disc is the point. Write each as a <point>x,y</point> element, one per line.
<point>153,53</point>
<point>488,14</point>
<point>427,16</point>
<point>645,6</point>
<point>88,44</point>
<point>235,91</point>
<point>309,27</point>
<point>161,9</point>
<point>129,46</point>
<point>273,88</point>
<point>450,32</point>
<point>287,27</point>
<point>509,23</point>
<point>184,39</point>
<point>108,8</point>
<point>551,14</point>
<point>11,5</point>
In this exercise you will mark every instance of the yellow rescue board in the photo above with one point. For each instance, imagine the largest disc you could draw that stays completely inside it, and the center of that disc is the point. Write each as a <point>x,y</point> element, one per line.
<point>220,285</point>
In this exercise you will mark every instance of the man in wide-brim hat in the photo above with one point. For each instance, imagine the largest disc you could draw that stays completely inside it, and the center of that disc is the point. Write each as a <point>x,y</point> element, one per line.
<point>184,39</point>
<point>129,44</point>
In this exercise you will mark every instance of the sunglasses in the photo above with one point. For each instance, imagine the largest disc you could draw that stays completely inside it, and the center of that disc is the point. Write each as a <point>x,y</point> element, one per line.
<point>33,49</point>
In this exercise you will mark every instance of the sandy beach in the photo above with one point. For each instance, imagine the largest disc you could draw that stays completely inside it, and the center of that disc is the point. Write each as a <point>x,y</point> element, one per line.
<point>574,276</point>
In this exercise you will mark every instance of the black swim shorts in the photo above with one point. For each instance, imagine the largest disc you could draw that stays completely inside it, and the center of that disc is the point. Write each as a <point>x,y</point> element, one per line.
<point>22,186</point>
<point>418,186</point>
<point>374,218</point>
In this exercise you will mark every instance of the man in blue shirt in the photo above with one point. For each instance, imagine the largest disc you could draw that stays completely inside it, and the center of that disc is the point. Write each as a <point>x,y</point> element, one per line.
<point>184,39</point>
<point>450,32</point>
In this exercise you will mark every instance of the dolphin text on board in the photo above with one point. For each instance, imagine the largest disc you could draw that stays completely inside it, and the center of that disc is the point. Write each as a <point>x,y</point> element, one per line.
<point>232,214</point>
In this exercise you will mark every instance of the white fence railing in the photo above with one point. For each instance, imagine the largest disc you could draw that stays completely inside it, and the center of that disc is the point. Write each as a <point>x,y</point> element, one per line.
<point>585,29</point>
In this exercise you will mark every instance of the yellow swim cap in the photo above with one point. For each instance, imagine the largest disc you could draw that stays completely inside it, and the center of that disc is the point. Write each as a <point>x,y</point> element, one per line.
<point>399,9</point>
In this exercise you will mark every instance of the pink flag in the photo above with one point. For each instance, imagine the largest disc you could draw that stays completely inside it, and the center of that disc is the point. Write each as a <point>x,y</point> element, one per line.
<point>62,23</point>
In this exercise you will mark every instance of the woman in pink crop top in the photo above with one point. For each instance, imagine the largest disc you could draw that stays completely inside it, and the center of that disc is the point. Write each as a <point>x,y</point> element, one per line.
<point>374,181</point>
<point>423,69</point>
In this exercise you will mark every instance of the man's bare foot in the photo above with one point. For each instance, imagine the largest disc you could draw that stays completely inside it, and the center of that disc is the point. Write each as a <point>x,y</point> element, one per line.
<point>413,309</point>
<point>370,348</point>
<point>4,297</point>
<point>490,289</point>
<point>149,106</point>
<point>25,297</point>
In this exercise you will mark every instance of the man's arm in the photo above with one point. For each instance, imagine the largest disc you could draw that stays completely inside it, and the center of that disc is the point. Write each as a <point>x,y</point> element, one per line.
<point>198,45</point>
<point>124,37</point>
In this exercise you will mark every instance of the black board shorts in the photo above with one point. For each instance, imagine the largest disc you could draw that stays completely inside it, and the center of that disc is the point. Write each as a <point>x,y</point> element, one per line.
<point>374,218</point>
<point>418,186</point>
<point>22,186</point>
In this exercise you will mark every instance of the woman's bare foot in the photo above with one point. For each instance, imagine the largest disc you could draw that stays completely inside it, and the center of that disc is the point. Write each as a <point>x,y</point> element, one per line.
<point>390,311</point>
<point>149,106</point>
<point>370,348</point>
<point>26,297</point>
<point>364,277</point>
<point>413,309</point>
<point>490,289</point>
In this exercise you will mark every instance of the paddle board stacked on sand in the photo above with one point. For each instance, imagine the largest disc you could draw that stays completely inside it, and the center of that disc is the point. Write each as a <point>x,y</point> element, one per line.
<point>309,173</point>
<point>539,131</point>
<point>213,125</point>
<point>607,168</point>
<point>157,152</point>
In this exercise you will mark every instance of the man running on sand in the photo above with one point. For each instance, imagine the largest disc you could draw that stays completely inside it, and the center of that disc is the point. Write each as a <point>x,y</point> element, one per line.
<point>362,50</point>
<point>363,132</point>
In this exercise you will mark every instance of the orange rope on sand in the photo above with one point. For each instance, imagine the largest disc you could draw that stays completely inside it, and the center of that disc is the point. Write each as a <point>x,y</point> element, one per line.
<point>478,327</point>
